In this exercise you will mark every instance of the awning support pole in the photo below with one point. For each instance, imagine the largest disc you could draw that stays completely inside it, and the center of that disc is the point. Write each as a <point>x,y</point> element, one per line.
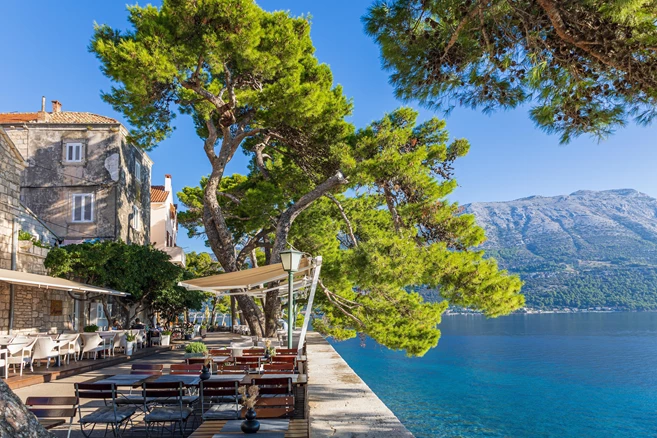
<point>290,309</point>
<point>14,266</point>
<point>309,306</point>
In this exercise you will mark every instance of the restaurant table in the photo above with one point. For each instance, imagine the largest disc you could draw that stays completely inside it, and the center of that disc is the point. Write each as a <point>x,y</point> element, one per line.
<point>186,379</point>
<point>130,380</point>
<point>226,377</point>
<point>298,428</point>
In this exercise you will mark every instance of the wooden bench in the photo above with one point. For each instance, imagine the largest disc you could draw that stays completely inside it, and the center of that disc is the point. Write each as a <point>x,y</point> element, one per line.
<point>53,411</point>
<point>298,429</point>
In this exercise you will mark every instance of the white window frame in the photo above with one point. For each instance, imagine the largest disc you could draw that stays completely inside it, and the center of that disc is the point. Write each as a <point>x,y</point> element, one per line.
<point>70,152</point>
<point>136,218</point>
<point>83,204</point>
<point>137,172</point>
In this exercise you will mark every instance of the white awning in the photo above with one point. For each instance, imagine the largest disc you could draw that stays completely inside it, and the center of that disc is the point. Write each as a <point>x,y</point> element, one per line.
<point>46,282</point>
<point>250,281</point>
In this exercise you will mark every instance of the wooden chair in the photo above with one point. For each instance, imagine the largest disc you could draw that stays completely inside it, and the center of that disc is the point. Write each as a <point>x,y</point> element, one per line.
<point>193,369</point>
<point>273,407</point>
<point>53,411</point>
<point>276,387</point>
<point>175,407</point>
<point>273,368</point>
<point>110,415</point>
<point>253,352</point>
<point>219,400</point>
<point>220,352</point>
<point>147,368</point>
<point>253,362</point>
<point>285,359</point>
<point>196,360</point>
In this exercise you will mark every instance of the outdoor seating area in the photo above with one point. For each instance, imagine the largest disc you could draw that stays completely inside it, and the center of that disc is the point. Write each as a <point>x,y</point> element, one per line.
<point>40,357</point>
<point>177,397</point>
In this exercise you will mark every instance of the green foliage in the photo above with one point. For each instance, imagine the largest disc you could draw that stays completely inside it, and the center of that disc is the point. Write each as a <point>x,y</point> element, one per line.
<point>93,328</point>
<point>167,333</point>
<point>587,65</point>
<point>130,337</point>
<point>142,271</point>
<point>24,235</point>
<point>196,347</point>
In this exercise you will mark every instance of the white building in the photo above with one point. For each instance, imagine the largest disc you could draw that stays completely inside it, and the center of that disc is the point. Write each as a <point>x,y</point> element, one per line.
<point>164,221</point>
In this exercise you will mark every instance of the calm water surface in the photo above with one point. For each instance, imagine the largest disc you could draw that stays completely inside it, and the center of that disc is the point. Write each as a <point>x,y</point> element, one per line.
<point>550,375</point>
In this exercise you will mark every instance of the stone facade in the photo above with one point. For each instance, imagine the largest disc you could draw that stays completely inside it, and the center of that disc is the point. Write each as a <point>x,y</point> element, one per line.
<point>81,155</point>
<point>33,307</point>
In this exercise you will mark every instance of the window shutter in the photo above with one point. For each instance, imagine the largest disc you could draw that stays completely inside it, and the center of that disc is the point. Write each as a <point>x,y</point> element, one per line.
<point>69,152</point>
<point>78,152</point>
<point>88,206</point>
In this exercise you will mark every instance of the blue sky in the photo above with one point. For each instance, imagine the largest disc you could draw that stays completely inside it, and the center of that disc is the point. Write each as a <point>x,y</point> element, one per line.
<point>46,54</point>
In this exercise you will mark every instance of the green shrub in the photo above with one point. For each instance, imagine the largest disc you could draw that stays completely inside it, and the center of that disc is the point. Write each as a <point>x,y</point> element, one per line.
<point>196,347</point>
<point>130,337</point>
<point>167,333</point>
<point>91,328</point>
<point>24,235</point>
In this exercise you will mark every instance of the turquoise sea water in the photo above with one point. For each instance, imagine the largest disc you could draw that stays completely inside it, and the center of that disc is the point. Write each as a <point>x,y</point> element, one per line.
<point>550,375</point>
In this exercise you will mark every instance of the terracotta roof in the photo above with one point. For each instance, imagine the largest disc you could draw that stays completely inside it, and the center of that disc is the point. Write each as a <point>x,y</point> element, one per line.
<point>158,194</point>
<point>63,117</point>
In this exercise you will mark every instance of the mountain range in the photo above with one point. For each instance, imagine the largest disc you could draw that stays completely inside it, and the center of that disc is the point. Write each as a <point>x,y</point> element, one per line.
<point>587,249</point>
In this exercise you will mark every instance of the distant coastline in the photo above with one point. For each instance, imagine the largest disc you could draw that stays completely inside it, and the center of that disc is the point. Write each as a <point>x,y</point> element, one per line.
<point>535,311</point>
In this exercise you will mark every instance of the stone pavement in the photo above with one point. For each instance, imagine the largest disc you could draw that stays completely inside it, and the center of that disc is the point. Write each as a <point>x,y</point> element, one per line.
<point>341,404</point>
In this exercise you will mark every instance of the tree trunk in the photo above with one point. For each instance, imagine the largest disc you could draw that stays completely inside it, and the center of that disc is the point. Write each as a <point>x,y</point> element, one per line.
<point>15,419</point>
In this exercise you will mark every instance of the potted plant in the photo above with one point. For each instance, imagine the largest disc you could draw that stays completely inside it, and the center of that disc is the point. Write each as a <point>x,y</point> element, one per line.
<point>195,349</point>
<point>166,338</point>
<point>130,339</point>
<point>93,328</point>
<point>204,330</point>
<point>250,425</point>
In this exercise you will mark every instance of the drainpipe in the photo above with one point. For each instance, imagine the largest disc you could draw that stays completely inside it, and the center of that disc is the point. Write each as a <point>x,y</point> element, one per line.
<point>14,265</point>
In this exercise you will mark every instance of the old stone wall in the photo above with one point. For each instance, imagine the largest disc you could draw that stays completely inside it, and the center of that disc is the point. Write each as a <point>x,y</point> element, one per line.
<point>36,310</point>
<point>136,192</point>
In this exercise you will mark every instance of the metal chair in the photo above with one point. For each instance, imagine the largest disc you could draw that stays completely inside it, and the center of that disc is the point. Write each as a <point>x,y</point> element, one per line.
<point>220,400</point>
<point>173,410</point>
<point>275,387</point>
<point>53,411</point>
<point>111,415</point>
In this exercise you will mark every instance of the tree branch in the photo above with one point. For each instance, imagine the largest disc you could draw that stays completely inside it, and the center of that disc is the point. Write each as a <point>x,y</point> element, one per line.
<point>350,229</point>
<point>251,245</point>
<point>329,295</point>
<point>288,216</point>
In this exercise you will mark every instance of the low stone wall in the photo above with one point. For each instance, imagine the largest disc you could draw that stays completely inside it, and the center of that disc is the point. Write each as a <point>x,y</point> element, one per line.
<point>341,404</point>
<point>35,310</point>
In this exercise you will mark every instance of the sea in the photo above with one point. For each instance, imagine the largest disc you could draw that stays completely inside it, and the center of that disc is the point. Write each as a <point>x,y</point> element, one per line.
<point>535,375</point>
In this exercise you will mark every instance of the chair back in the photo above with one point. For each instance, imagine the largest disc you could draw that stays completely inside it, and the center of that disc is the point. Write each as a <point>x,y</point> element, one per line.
<point>165,392</point>
<point>247,360</point>
<point>52,407</point>
<point>284,359</point>
<point>253,352</point>
<point>193,369</point>
<point>195,360</point>
<point>220,352</point>
<point>91,341</point>
<point>18,349</point>
<point>279,385</point>
<point>147,368</point>
<point>21,339</point>
<point>6,339</point>
<point>118,335</point>
<point>44,348</point>
<point>278,368</point>
<point>95,391</point>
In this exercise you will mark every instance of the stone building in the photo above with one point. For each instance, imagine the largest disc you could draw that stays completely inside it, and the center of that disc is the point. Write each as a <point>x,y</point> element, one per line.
<point>31,301</point>
<point>83,178</point>
<point>164,221</point>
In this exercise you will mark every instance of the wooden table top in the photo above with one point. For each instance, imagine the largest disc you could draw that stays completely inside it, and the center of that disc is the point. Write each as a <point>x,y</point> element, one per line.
<point>298,429</point>
<point>297,379</point>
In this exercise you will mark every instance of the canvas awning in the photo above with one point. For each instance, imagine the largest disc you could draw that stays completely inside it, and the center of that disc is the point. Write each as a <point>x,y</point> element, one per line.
<point>46,282</point>
<point>247,279</point>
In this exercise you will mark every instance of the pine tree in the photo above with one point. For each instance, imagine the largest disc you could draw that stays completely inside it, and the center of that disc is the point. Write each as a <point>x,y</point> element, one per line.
<point>587,66</point>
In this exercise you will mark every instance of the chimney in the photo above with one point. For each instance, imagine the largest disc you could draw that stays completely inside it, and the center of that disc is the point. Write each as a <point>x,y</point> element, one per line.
<point>56,106</point>
<point>41,115</point>
<point>167,183</point>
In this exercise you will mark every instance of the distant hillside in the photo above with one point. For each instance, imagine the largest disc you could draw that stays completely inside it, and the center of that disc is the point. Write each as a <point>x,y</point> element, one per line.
<point>583,250</point>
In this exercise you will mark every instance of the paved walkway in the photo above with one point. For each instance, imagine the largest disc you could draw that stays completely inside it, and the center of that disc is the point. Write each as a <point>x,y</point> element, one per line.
<point>341,404</point>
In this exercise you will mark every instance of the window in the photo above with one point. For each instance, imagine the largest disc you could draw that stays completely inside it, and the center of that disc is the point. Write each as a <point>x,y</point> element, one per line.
<point>136,220</point>
<point>137,172</point>
<point>83,207</point>
<point>73,152</point>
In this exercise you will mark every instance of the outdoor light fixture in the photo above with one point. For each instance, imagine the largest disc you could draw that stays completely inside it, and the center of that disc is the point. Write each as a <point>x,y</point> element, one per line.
<point>290,259</point>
